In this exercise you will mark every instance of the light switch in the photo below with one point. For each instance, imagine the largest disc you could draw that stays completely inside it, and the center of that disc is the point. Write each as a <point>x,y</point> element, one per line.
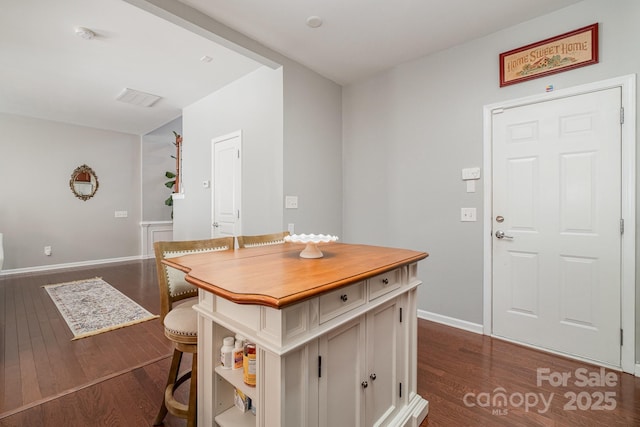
<point>468,214</point>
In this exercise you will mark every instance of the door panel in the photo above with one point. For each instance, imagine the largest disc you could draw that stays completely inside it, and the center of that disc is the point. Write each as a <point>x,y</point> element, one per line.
<point>382,393</point>
<point>557,183</point>
<point>341,394</point>
<point>226,177</point>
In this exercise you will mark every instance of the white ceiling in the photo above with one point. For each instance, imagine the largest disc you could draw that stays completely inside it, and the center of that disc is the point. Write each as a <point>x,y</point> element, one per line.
<point>361,37</point>
<point>47,72</point>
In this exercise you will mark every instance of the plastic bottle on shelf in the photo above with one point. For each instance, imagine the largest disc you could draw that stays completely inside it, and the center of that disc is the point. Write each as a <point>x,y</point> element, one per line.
<point>249,364</point>
<point>226,353</point>
<point>240,338</point>
<point>238,354</point>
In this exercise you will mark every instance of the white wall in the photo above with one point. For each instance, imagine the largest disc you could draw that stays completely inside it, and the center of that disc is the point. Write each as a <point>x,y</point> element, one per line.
<point>409,131</point>
<point>310,139</point>
<point>252,104</point>
<point>312,151</point>
<point>38,207</point>
<point>157,149</point>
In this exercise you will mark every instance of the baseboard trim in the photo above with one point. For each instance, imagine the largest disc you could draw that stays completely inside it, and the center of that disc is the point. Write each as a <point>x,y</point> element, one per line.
<point>42,268</point>
<point>451,321</point>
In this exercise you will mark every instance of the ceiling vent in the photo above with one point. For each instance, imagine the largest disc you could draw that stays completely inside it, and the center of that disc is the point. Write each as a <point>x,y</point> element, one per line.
<point>135,97</point>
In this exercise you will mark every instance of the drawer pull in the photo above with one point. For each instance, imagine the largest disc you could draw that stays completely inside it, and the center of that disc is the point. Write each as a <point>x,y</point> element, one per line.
<point>385,281</point>
<point>344,297</point>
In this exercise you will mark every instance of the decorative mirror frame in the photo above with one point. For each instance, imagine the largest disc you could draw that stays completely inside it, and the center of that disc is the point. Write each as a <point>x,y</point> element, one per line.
<point>84,169</point>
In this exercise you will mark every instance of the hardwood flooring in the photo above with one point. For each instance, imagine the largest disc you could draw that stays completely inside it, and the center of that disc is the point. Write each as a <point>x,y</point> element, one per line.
<point>117,378</point>
<point>463,375</point>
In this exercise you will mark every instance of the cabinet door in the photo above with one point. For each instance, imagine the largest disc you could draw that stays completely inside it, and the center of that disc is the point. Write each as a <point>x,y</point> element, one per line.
<point>341,372</point>
<point>383,361</point>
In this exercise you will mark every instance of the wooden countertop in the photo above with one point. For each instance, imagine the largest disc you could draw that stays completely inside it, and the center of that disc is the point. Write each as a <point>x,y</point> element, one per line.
<point>276,276</point>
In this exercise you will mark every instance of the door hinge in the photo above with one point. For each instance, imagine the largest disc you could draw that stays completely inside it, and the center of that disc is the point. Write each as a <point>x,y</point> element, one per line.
<point>238,213</point>
<point>621,226</point>
<point>319,366</point>
<point>400,314</point>
<point>621,337</point>
<point>238,153</point>
<point>400,389</point>
<point>622,115</point>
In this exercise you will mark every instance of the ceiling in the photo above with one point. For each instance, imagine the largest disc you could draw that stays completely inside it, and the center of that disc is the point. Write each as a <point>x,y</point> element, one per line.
<point>47,72</point>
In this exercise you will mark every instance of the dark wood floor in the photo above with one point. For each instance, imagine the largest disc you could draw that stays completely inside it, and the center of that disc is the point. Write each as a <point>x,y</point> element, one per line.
<point>117,378</point>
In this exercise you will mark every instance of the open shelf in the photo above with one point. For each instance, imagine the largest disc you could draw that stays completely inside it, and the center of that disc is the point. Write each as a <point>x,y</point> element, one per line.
<point>234,417</point>
<point>235,377</point>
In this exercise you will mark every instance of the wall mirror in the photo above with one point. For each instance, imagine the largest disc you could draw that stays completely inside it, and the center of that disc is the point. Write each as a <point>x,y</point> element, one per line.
<point>84,182</point>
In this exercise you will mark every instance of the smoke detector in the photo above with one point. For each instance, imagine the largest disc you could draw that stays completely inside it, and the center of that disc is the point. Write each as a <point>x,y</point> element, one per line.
<point>314,21</point>
<point>85,33</point>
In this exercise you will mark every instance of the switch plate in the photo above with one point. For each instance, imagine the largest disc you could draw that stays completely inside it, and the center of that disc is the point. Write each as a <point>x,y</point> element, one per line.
<point>121,214</point>
<point>47,250</point>
<point>470,173</point>
<point>291,202</point>
<point>468,214</point>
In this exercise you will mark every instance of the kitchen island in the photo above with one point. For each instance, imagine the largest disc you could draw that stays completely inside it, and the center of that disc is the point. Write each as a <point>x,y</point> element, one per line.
<point>335,336</point>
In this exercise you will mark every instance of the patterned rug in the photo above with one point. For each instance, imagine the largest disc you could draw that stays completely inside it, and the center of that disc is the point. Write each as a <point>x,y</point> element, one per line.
<point>93,306</point>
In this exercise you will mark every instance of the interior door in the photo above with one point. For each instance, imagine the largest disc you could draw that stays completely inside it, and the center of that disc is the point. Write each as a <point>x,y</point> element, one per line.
<point>557,224</point>
<point>226,177</point>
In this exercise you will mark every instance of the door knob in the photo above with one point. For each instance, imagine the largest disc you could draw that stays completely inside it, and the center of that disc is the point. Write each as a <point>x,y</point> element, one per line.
<point>365,384</point>
<point>215,224</point>
<point>500,235</point>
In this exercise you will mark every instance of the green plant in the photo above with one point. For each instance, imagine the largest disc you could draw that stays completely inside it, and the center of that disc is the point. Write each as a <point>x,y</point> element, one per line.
<point>174,177</point>
<point>170,184</point>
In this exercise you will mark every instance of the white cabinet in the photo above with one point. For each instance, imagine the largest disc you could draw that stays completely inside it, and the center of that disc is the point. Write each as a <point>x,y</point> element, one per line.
<point>341,372</point>
<point>385,352</point>
<point>342,358</point>
<point>360,374</point>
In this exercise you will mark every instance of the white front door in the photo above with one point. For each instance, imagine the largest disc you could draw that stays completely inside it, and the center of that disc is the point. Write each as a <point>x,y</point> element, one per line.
<point>556,219</point>
<point>226,177</point>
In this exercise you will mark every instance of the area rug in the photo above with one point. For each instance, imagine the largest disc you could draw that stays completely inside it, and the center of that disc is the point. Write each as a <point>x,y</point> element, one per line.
<point>93,306</point>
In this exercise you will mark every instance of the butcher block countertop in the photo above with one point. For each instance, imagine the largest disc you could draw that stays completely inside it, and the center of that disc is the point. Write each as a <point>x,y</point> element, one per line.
<point>276,276</point>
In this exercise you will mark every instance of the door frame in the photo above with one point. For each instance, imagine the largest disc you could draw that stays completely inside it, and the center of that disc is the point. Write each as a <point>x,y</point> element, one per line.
<point>628,254</point>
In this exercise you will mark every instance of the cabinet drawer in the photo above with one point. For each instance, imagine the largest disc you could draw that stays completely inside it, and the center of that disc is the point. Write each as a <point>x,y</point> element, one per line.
<point>384,283</point>
<point>340,301</point>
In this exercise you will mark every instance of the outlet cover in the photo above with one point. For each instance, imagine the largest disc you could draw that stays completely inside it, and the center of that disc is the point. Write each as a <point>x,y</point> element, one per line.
<point>291,202</point>
<point>470,173</point>
<point>468,214</point>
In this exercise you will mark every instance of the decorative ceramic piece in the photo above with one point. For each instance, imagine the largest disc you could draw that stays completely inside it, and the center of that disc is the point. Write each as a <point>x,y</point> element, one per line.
<point>312,240</point>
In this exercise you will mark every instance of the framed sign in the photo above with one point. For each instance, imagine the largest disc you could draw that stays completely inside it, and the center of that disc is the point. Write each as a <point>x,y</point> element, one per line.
<point>561,53</point>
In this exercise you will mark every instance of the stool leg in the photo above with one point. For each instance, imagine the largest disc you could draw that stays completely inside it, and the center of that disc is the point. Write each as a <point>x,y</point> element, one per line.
<point>173,374</point>
<point>193,393</point>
